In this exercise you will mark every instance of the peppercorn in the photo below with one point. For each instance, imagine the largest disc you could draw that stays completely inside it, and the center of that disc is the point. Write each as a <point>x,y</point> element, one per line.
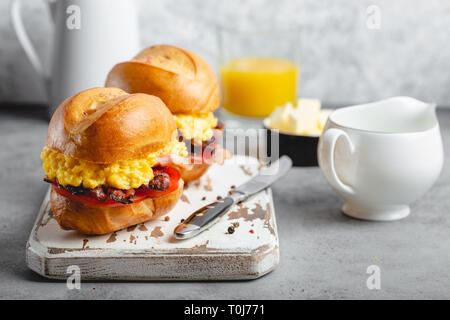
<point>230,229</point>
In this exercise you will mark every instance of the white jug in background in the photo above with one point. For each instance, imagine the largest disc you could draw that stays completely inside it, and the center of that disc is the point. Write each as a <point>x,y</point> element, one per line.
<point>89,38</point>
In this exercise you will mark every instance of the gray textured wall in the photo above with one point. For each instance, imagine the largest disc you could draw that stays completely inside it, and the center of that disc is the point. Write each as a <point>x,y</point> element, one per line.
<point>342,60</point>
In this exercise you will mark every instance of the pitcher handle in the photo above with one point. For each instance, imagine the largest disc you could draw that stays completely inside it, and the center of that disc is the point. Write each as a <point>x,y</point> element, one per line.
<point>30,51</point>
<point>329,139</point>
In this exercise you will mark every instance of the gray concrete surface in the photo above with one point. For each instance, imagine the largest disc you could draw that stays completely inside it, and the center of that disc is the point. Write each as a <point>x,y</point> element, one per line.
<point>342,61</point>
<point>323,253</point>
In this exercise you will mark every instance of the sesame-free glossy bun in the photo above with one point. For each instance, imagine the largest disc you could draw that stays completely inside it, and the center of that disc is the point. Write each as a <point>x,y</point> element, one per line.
<point>182,79</point>
<point>74,215</point>
<point>107,125</point>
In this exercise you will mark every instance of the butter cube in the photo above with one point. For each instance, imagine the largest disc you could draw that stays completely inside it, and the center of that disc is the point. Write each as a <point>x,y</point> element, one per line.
<point>323,117</point>
<point>304,118</point>
<point>279,118</point>
<point>313,104</point>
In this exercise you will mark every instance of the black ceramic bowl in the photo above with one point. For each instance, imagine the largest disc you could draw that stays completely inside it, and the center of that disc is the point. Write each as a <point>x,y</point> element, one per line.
<point>300,148</point>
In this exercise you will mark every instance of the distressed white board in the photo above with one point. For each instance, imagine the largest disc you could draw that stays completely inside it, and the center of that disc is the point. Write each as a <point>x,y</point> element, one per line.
<point>148,251</point>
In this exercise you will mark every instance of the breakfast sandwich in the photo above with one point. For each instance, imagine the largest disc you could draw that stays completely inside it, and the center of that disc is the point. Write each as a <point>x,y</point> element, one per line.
<point>102,158</point>
<point>190,89</point>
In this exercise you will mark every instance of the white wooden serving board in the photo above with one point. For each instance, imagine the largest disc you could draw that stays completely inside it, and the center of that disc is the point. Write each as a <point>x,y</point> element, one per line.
<point>148,251</point>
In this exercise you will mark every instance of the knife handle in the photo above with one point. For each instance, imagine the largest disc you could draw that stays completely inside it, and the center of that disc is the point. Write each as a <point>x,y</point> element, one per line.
<point>199,221</point>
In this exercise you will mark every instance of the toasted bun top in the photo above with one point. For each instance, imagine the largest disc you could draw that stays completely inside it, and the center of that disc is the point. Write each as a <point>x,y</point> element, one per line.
<point>106,125</point>
<point>182,79</point>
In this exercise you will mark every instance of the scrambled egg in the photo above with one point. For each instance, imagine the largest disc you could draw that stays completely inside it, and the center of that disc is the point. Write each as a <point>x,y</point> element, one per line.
<point>196,126</point>
<point>121,175</point>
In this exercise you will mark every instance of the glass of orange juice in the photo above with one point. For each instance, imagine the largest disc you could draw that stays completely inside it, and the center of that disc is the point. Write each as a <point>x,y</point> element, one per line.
<point>259,70</point>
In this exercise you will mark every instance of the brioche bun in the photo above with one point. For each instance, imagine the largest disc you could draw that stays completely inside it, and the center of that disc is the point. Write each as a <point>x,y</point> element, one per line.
<point>73,215</point>
<point>182,79</point>
<point>107,125</point>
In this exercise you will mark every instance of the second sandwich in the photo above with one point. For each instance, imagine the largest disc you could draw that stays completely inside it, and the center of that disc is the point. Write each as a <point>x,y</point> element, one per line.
<point>190,89</point>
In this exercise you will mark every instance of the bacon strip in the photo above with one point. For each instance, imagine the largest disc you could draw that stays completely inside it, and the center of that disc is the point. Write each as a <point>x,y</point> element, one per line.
<point>161,181</point>
<point>208,151</point>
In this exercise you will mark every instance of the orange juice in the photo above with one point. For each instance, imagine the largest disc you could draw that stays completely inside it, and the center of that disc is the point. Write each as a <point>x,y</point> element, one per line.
<point>253,87</point>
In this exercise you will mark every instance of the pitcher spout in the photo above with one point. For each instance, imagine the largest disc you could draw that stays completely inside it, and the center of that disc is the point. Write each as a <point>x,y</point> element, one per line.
<point>424,110</point>
<point>408,114</point>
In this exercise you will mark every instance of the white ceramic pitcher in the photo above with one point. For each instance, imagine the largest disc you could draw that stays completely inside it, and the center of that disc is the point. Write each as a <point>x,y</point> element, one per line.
<point>89,38</point>
<point>381,156</point>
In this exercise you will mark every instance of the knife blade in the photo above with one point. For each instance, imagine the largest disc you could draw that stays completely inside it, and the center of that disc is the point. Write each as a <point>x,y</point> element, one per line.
<point>206,216</point>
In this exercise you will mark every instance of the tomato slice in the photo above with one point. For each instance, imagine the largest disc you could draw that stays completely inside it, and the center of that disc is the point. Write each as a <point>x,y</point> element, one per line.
<point>140,194</point>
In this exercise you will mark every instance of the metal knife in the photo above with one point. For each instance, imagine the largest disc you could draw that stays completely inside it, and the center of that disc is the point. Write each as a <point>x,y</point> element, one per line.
<point>206,216</point>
